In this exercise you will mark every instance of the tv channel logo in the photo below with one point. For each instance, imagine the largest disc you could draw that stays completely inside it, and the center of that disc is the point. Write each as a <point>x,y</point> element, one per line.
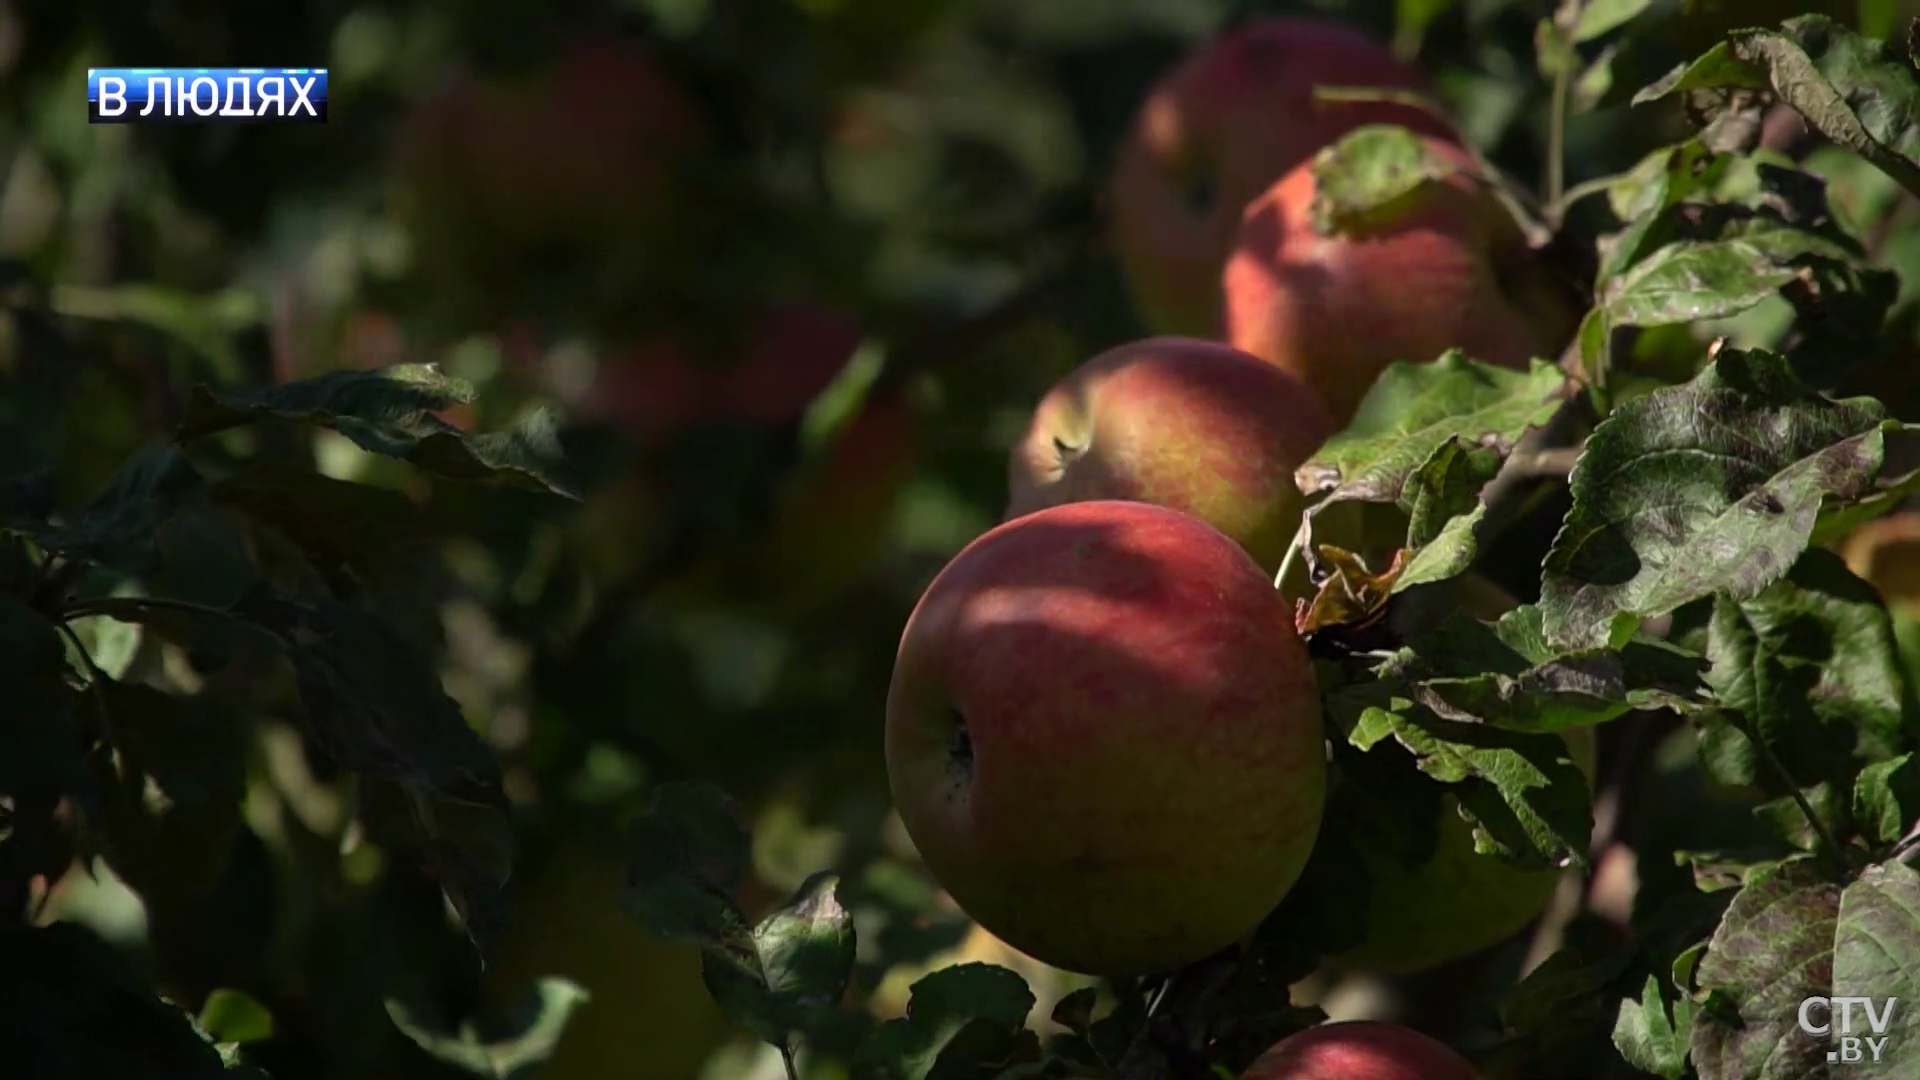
<point>1832,1019</point>
<point>206,95</point>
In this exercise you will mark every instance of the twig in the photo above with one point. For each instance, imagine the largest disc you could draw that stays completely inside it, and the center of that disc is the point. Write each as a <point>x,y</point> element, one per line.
<point>1549,463</point>
<point>113,607</point>
<point>1779,768</point>
<point>1557,112</point>
<point>786,1059</point>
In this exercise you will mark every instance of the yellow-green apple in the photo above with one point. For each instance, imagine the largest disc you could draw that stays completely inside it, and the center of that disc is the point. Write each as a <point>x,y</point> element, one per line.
<point>1443,266</point>
<point>1360,1050</point>
<point>1216,132</point>
<point>1192,425</point>
<point>1459,901</point>
<point>1104,737</point>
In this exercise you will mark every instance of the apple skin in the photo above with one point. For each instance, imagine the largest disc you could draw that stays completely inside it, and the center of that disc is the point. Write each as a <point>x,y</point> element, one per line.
<point>1361,1050</point>
<point>1885,552</point>
<point>1444,267</point>
<point>1104,738</point>
<point>1195,426</point>
<point>1216,132</point>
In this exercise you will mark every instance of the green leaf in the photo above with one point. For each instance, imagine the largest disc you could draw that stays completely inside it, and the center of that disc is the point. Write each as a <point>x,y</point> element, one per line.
<point>1413,409</point>
<point>373,700</point>
<point>1693,490</point>
<point>121,526</point>
<point>791,970</point>
<point>1528,801</point>
<point>193,754</point>
<point>1598,17</point>
<point>1652,1035</point>
<point>686,853</point>
<point>1469,672</point>
<point>1368,169</point>
<point>1875,941</point>
<point>1810,662</point>
<point>1411,19</point>
<point>1773,948</point>
<point>512,1050</point>
<point>42,758</point>
<point>1837,519</point>
<point>1446,488</point>
<point>1854,90</point>
<point>335,521</point>
<point>964,1022</point>
<point>390,411</point>
<point>1886,799</point>
<point>233,1016</point>
<point>1643,196</point>
<point>76,1007</point>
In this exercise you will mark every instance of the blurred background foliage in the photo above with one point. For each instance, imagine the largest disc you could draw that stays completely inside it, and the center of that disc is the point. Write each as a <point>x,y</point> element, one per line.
<point>793,271</point>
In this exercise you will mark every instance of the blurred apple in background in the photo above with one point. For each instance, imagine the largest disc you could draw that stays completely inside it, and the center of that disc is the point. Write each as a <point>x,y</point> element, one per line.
<point>1443,266</point>
<point>1216,132</point>
<point>506,182</point>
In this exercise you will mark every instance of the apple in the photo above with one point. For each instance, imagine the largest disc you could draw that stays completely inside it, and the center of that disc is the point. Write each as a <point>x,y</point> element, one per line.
<point>655,390</point>
<point>579,161</point>
<point>1104,737</point>
<point>1457,903</point>
<point>829,516</point>
<point>1361,1050</point>
<point>1216,132</point>
<point>1885,552</point>
<point>1195,426</point>
<point>1445,266</point>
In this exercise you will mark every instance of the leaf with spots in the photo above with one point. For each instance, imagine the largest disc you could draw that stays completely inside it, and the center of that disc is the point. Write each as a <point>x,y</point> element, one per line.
<point>393,411</point>
<point>790,971</point>
<point>686,852</point>
<point>1857,91</point>
<point>1773,948</point>
<point>1368,169</point>
<point>1523,793</point>
<point>1811,665</point>
<point>1472,672</point>
<point>1415,409</point>
<point>1875,941</point>
<point>1710,487</point>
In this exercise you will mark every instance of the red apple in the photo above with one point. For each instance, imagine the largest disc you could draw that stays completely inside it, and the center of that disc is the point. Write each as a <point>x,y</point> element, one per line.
<point>829,517</point>
<point>1104,737</point>
<point>1191,425</point>
<point>1444,266</point>
<point>1216,132</point>
<point>787,356</point>
<point>1361,1050</point>
<point>579,161</point>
